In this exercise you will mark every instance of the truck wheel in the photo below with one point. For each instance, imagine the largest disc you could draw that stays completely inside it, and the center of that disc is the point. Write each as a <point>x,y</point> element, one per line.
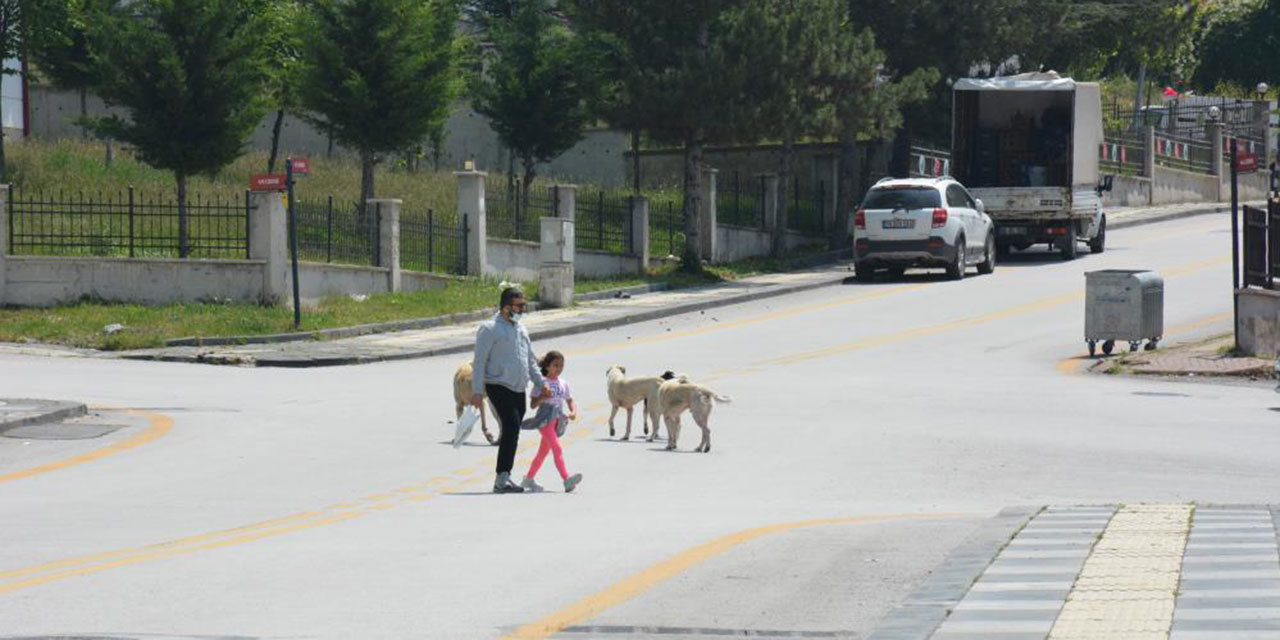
<point>1099,242</point>
<point>955,271</point>
<point>1069,246</point>
<point>988,264</point>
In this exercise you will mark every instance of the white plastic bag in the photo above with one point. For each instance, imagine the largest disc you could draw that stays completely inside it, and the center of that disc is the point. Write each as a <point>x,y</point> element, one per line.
<point>466,422</point>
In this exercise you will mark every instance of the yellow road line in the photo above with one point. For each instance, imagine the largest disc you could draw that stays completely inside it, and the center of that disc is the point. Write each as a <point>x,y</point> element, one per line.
<point>159,425</point>
<point>648,578</point>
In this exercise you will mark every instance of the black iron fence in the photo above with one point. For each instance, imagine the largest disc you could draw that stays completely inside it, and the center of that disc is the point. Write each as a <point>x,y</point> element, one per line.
<point>513,212</point>
<point>430,242</point>
<point>1184,153</point>
<point>740,201</point>
<point>341,232</point>
<point>1122,155</point>
<point>807,210</point>
<point>1262,245</point>
<point>127,224</point>
<point>603,222</point>
<point>666,226</point>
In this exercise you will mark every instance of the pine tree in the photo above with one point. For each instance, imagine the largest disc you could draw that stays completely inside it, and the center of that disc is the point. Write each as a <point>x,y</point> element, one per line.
<point>190,74</point>
<point>381,74</point>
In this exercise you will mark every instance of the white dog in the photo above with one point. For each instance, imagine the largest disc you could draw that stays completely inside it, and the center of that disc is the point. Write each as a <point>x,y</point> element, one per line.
<point>462,392</point>
<point>626,393</point>
<point>680,395</point>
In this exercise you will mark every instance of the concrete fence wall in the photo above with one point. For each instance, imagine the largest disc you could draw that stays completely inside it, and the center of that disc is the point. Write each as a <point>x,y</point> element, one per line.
<point>46,281</point>
<point>1164,185</point>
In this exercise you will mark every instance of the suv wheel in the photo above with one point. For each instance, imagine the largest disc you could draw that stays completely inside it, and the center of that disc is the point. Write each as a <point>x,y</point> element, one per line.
<point>988,264</point>
<point>956,270</point>
<point>863,273</point>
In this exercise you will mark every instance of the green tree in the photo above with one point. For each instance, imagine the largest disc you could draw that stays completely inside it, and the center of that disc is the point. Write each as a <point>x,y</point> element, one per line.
<point>12,43</point>
<point>683,85</point>
<point>951,36</point>
<point>1241,47</point>
<point>190,74</point>
<point>533,91</point>
<point>281,20</point>
<point>381,74</point>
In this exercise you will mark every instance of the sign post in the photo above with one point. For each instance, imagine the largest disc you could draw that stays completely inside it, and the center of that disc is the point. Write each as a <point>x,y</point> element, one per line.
<point>293,239</point>
<point>1235,246</point>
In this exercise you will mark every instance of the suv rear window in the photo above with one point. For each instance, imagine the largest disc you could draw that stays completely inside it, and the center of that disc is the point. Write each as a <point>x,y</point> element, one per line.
<point>902,198</point>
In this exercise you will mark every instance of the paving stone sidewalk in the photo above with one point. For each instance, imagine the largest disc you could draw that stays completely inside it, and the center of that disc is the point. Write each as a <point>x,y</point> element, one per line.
<point>1207,358</point>
<point>1134,572</point>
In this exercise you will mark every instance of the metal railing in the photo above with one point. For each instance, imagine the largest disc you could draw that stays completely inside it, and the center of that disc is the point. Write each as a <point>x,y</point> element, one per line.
<point>512,212</point>
<point>928,163</point>
<point>342,232</point>
<point>1261,245</point>
<point>806,213</point>
<point>666,227</point>
<point>433,243</point>
<point>127,225</point>
<point>603,222</point>
<point>1184,153</point>
<point>1120,155</point>
<point>741,201</point>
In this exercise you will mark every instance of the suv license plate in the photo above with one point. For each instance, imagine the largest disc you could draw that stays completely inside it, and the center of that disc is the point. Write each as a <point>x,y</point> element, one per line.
<point>1013,231</point>
<point>898,223</point>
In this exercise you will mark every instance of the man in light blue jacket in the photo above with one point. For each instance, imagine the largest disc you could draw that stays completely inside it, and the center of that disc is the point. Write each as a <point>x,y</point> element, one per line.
<point>504,365</point>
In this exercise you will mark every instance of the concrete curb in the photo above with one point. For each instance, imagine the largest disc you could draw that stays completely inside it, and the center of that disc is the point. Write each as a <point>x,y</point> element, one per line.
<point>57,412</point>
<point>925,609</point>
<point>338,333</point>
<point>303,361</point>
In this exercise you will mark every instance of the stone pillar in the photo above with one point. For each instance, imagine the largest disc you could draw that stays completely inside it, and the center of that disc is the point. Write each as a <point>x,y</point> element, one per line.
<point>640,230</point>
<point>566,201</point>
<point>389,238</point>
<point>1214,132</point>
<point>555,273</point>
<point>269,242</point>
<point>1149,161</point>
<point>471,211</point>
<point>770,201</point>
<point>707,221</point>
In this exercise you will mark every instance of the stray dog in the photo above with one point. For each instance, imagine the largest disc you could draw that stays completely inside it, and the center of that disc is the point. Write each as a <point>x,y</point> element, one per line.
<point>626,393</point>
<point>680,395</point>
<point>462,393</point>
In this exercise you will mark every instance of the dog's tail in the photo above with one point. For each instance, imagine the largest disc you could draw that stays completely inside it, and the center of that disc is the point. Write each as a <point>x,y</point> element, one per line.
<point>723,399</point>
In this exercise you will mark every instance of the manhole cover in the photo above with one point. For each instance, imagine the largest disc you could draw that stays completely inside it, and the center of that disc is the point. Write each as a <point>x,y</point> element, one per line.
<point>1161,394</point>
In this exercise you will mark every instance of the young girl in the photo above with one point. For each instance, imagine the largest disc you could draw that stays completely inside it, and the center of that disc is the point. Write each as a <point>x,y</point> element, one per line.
<point>552,365</point>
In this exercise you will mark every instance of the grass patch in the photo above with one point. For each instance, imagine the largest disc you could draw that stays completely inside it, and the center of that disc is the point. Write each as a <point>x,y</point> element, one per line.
<point>81,324</point>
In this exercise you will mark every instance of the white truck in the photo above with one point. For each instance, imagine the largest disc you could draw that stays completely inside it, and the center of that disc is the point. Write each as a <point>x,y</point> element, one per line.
<point>1027,146</point>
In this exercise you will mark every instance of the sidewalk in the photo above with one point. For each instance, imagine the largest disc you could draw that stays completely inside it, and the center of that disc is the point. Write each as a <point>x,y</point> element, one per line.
<point>21,412</point>
<point>1141,572</point>
<point>1206,358</point>
<point>459,338</point>
<point>1125,217</point>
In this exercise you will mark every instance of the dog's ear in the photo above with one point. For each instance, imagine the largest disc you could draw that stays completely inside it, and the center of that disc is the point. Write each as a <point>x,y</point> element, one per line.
<point>667,375</point>
<point>621,369</point>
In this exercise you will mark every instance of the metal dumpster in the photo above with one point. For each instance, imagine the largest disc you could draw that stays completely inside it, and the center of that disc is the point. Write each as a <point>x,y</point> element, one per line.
<point>1122,304</point>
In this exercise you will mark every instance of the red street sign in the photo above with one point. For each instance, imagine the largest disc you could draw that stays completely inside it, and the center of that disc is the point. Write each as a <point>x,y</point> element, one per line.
<point>266,182</point>
<point>301,165</point>
<point>1246,162</point>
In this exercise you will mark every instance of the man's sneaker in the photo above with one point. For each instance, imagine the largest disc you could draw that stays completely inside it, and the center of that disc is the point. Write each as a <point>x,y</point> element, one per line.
<point>531,485</point>
<point>503,484</point>
<point>571,482</point>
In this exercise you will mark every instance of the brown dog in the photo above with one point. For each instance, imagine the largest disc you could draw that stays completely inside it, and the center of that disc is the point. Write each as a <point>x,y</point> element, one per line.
<point>462,392</point>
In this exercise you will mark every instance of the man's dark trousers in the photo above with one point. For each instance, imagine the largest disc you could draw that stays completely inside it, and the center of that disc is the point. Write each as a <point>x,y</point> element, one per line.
<point>510,407</point>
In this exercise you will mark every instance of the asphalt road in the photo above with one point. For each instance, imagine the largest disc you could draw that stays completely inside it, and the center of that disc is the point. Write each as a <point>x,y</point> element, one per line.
<point>873,428</point>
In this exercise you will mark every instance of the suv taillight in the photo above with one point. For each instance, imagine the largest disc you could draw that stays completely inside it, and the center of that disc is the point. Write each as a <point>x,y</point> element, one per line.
<point>939,218</point>
<point>860,219</point>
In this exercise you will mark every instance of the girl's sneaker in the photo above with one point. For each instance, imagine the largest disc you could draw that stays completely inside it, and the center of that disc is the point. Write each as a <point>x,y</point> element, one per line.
<point>531,485</point>
<point>571,482</point>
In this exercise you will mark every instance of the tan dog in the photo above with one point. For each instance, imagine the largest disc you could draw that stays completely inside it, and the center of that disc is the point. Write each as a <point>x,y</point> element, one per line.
<point>626,393</point>
<point>462,392</point>
<point>680,395</point>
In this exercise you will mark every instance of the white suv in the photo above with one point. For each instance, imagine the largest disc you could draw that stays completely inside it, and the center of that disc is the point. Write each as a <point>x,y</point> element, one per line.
<point>922,222</point>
